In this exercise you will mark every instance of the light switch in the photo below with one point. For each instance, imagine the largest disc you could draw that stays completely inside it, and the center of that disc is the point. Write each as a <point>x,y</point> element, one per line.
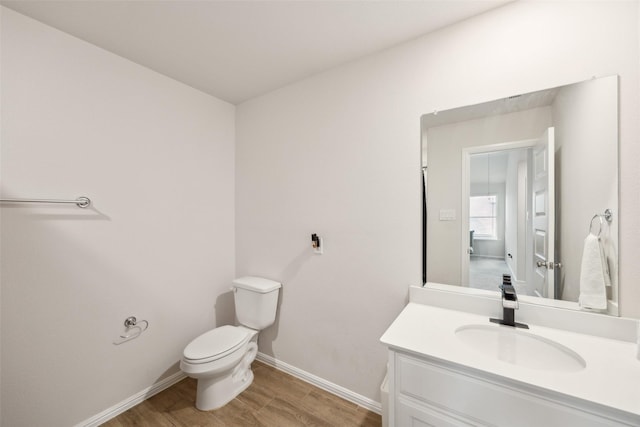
<point>447,214</point>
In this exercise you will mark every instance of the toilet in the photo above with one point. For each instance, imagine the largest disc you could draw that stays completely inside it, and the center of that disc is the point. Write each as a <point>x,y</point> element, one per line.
<point>220,359</point>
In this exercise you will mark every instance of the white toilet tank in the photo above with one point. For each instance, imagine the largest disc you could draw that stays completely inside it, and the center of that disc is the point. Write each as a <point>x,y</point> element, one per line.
<point>256,301</point>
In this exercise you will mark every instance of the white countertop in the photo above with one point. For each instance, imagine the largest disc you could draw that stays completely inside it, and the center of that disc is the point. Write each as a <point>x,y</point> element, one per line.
<point>611,376</point>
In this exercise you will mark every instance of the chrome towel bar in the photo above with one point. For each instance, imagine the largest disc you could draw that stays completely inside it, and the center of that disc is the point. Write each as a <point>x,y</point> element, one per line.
<point>81,202</point>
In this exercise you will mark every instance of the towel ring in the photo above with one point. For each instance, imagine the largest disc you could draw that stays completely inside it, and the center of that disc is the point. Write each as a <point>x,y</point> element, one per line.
<point>591,225</point>
<point>607,215</point>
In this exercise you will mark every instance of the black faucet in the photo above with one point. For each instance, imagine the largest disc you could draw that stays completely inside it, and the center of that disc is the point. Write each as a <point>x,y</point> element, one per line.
<point>509,304</point>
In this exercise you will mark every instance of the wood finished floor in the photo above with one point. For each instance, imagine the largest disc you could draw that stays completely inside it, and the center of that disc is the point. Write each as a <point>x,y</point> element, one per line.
<point>275,399</point>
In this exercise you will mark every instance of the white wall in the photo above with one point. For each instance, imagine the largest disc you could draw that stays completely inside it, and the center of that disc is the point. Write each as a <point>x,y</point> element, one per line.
<point>157,159</point>
<point>338,154</point>
<point>517,200</point>
<point>588,182</point>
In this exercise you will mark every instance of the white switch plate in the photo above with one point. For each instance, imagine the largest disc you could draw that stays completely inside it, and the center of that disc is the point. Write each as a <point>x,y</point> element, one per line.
<point>447,214</point>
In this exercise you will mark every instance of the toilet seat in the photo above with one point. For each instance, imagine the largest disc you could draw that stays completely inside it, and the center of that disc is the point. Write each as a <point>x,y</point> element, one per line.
<point>216,344</point>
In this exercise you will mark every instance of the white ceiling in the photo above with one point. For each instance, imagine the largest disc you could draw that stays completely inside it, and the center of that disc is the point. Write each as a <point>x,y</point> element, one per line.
<point>237,50</point>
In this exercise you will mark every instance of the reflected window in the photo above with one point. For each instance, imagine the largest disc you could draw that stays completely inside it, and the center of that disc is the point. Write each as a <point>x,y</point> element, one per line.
<point>482,216</point>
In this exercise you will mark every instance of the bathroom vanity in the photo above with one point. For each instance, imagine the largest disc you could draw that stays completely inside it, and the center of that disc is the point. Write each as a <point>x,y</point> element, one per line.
<point>449,367</point>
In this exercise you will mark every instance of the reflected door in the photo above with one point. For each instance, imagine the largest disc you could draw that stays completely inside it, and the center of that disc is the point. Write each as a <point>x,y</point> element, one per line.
<point>544,215</point>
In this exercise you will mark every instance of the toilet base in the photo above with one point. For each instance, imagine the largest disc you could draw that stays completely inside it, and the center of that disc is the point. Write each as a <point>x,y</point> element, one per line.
<point>217,391</point>
<point>214,395</point>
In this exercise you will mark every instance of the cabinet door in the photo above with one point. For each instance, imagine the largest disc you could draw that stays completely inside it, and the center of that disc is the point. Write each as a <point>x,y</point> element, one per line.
<point>472,399</point>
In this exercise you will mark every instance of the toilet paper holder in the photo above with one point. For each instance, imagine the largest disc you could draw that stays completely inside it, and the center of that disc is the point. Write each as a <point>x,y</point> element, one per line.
<point>131,323</point>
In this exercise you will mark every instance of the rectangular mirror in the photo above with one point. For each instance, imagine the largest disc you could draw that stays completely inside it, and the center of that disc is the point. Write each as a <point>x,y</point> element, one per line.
<point>526,186</point>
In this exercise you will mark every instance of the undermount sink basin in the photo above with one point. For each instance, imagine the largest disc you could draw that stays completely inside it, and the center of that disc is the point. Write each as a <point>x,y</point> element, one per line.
<point>520,348</point>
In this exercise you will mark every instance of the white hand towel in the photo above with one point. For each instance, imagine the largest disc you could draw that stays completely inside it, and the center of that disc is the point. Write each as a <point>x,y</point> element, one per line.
<point>592,275</point>
<point>605,264</point>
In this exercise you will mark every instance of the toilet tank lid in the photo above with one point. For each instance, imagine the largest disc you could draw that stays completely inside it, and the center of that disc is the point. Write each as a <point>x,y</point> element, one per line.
<point>257,284</point>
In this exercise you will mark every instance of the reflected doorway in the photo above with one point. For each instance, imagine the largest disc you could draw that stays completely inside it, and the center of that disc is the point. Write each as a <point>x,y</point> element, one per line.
<point>499,216</point>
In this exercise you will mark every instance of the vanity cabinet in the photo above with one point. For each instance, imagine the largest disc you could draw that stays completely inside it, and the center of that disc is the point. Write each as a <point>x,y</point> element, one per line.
<point>425,391</point>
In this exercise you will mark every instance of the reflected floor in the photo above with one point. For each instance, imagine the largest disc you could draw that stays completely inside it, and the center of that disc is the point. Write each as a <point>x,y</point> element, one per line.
<point>486,273</point>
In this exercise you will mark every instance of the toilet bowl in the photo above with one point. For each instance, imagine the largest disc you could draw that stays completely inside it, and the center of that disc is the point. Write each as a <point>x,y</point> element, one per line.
<point>221,358</point>
<point>221,362</point>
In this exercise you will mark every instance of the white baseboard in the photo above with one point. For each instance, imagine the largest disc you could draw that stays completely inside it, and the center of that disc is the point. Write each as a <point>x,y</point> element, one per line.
<point>340,391</point>
<point>132,401</point>
<point>137,398</point>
